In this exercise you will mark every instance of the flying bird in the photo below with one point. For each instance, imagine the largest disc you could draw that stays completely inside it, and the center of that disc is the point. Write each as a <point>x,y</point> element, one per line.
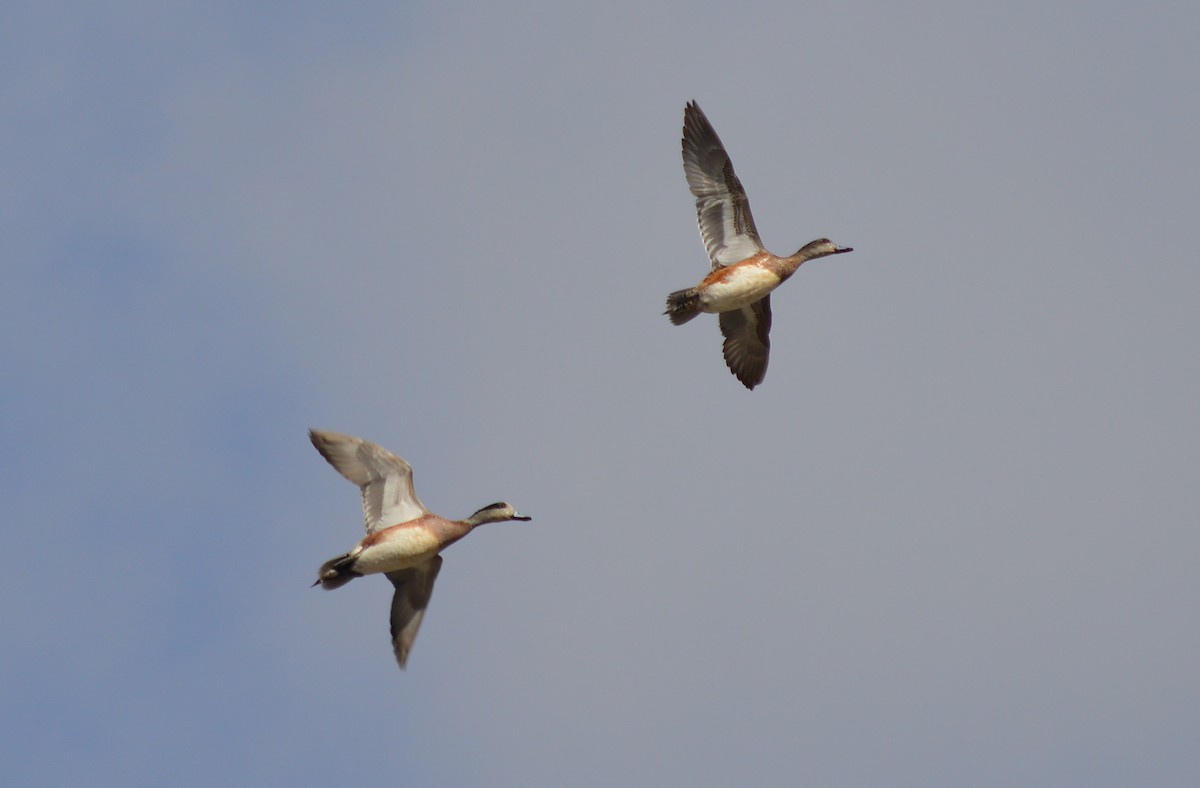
<point>743,272</point>
<point>403,538</point>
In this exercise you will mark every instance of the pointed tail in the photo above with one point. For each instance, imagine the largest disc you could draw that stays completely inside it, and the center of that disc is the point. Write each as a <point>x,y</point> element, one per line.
<point>336,572</point>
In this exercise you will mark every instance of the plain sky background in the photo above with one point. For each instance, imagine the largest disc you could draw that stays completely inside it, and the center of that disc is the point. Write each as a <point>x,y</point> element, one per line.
<point>951,540</point>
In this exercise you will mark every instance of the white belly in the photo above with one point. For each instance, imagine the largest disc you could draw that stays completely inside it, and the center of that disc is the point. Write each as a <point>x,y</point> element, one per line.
<point>400,550</point>
<point>734,292</point>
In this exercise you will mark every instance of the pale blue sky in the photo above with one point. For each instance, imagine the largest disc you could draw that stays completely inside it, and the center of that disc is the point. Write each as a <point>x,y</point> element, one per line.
<point>951,540</point>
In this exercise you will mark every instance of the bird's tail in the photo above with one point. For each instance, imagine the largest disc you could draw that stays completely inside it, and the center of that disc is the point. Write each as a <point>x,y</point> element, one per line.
<point>336,572</point>
<point>683,305</point>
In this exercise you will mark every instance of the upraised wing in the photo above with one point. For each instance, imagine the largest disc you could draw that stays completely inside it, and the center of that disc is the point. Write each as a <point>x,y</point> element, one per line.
<point>385,480</point>
<point>722,209</point>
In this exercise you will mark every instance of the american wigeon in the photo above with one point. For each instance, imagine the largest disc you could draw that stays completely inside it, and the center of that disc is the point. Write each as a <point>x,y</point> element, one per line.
<point>743,272</point>
<point>403,537</point>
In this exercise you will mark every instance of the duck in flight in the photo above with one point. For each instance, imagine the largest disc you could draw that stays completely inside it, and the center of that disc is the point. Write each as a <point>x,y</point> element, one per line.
<point>403,538</point>
<point>743,273</point>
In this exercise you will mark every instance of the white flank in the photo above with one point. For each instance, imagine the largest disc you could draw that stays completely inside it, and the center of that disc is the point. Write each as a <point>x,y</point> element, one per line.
<point>742,289</point>
<point>401,549</point>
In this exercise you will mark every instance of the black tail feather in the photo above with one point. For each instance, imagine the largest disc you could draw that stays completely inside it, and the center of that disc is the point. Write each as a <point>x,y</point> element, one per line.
<point>683,305</point>
<point>336,572</point>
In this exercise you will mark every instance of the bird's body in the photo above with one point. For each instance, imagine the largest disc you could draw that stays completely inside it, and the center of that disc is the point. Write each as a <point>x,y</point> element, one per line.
<point>743,272</point>
<point>402,546</point>
<point>404,539</point>
<point>741,284</point>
